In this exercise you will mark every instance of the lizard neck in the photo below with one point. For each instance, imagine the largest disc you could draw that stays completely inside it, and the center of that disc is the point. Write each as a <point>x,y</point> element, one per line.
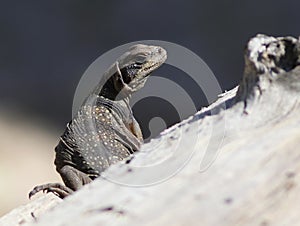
<point>110,92</point>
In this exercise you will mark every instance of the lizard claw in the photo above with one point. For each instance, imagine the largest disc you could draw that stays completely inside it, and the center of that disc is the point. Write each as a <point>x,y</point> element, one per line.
<point>37,189</point>
<point>56,188</point>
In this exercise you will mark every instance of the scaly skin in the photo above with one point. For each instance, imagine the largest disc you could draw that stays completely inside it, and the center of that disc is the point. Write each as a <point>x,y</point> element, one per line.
<point>104,131</point>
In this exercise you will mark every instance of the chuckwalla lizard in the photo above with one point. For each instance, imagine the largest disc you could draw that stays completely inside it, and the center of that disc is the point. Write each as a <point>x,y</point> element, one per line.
<point>104,130</point>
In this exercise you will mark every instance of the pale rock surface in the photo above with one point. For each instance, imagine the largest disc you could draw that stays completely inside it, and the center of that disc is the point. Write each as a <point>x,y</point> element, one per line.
<point>237,165</point>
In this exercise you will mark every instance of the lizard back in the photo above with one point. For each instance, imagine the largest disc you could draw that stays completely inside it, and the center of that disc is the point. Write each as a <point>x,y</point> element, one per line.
<point>98,136</point>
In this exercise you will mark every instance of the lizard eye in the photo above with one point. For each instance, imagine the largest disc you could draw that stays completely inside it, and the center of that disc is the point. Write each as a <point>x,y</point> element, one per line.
<point>136,65</point>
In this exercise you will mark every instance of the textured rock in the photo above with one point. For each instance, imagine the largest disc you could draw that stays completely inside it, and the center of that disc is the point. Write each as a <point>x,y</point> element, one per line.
<point>29,213</point>
<point>234,166</point>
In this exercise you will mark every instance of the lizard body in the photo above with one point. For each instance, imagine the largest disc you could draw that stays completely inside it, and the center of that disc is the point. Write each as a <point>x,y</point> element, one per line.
<point>104,130</point>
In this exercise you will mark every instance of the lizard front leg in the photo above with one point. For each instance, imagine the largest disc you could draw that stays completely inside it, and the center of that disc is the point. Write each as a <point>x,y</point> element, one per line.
<point>73,179</point>
<point>134,127</point>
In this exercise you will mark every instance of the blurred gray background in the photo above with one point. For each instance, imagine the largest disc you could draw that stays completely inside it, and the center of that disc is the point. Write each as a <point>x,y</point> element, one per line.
<point>45,47</point>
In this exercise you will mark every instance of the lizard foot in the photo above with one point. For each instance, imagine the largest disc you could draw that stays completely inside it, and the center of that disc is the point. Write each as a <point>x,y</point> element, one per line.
<point>56,188</point>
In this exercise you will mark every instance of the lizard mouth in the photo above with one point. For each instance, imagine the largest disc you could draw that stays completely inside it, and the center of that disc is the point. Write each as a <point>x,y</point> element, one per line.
<point>152,66</point>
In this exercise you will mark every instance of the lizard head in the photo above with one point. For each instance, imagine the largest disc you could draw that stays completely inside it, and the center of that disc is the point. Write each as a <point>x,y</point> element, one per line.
<point>130,72</point>
<point>137,64</point>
